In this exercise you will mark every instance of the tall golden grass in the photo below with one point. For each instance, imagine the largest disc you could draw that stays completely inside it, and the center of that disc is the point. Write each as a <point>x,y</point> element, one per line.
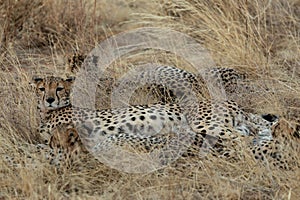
<point>260,38</point>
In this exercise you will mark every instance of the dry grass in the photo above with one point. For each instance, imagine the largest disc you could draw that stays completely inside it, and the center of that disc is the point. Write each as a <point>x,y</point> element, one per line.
<point>260,38</point>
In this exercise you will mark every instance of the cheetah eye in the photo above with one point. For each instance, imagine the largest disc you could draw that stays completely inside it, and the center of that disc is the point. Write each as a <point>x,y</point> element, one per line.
<point>59,89</point>
<point>42,89</point>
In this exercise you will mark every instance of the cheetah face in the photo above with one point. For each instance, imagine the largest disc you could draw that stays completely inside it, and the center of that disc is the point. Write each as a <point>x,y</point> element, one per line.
<point>287,129</point>
<point>65,137</point>
<point>65,142</point>
<point>53,92</point>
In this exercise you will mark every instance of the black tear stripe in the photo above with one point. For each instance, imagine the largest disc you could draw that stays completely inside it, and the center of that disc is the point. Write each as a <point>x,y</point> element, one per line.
<point>58,99</point>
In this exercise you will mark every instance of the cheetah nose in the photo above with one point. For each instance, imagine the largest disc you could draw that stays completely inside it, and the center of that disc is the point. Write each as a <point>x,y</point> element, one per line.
<point>50,100</point>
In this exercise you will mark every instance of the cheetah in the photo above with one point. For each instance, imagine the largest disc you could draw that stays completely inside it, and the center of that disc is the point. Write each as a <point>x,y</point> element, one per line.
<point>74,62</point>
<point>283,149</point>
<point>171,83</point>
<point>213,124</point>
<point>66,145</point>
<point>61,149</point>
<point>280,151</point>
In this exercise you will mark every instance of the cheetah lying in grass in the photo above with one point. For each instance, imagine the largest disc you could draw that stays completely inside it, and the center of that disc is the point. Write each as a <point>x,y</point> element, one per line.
<point>220,125</point>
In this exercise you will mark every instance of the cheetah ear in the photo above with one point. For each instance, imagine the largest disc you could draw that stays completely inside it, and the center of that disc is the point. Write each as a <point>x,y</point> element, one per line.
<point>35,80</point>
<point>270,117</point>
<point>70,79</point>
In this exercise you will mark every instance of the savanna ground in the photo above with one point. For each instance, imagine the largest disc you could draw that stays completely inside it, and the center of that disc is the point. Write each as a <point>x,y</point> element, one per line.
<point>260,38</point>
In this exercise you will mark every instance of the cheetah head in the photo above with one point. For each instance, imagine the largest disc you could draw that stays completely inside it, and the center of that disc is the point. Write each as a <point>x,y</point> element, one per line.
<point>65,137</point>
<point>287,129</point>
<point>65,144</point>
<point>52,92</point>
